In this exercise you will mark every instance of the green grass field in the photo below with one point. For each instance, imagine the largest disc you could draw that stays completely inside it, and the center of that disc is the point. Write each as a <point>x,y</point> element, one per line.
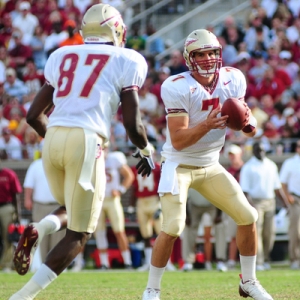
<point>281,283</point>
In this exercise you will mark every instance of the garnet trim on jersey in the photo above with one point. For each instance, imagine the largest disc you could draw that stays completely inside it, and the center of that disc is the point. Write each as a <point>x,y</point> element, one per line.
<point>176,111</point>
<point>130,88</point>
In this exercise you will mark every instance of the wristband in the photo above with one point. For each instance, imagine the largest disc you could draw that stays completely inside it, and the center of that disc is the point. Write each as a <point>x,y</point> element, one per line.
<point>252,121</point>
<point>122,189</point>
<point>147,150</point>
<point>251,125</point>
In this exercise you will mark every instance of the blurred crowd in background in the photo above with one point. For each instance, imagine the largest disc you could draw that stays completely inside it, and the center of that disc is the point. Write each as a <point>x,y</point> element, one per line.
<point>266,48</point>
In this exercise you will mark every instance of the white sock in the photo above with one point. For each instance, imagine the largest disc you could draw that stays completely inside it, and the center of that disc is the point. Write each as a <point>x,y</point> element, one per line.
<point>155,276</point>
<point>104,259</point>
<point>148,254</point>
<point>39,281</point>
<point>79,259</point>
<point>127,257</point>
<point>248,267</point>
<point>47,225</point>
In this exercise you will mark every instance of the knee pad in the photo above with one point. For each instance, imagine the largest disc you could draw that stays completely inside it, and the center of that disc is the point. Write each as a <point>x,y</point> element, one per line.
<point>173,227</point>
<point>101,239</point>
<point>248,217</point>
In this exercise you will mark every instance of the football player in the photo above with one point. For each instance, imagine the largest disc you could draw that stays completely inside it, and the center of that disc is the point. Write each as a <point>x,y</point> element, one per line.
<point>195,136</point>
<point>85,84</point>
<point>116,167</point>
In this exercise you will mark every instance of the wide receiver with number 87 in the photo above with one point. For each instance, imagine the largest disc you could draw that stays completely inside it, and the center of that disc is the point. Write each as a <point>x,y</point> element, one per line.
<point>195,135</point>
<point>85,84</point>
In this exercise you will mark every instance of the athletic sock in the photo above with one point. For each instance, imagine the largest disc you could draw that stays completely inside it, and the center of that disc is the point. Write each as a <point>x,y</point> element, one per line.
<point>155,276</point>
<point>127,257</point>
<point>47,225</point>
<point>148,254</point>
<point>248,267</point>
<point>39,281</point>
<point>104,259</point>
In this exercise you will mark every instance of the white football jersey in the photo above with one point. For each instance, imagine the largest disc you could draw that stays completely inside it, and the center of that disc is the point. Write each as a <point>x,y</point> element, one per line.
<point>88,80</point>
<point>183,94</point>
<point>113,162</point>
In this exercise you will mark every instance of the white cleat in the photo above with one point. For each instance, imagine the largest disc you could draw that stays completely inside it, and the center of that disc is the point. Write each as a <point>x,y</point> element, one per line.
<point>144,268</point>
<point>170,267</point>
<point>252,288</point>
<point>221,266</point>
<point>151,294</point>
<point>208,266</point>
<point>187,267</point>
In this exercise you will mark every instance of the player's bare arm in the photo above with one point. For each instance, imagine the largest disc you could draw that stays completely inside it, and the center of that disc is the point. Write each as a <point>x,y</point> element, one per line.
<point>132,120</point>
<point>182,136</point>
<point>36,116</point>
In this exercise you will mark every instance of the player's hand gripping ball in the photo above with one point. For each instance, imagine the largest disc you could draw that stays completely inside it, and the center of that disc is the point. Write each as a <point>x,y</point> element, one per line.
<point>237,112</point>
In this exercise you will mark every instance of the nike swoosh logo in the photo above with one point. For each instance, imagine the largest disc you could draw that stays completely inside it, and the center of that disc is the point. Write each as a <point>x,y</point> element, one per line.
<point>225,83</point>
<point>25,243</point>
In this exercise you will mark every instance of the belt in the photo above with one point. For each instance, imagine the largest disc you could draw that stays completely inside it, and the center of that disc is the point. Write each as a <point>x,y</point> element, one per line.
<point>5,203</point>
<point>190,167</point>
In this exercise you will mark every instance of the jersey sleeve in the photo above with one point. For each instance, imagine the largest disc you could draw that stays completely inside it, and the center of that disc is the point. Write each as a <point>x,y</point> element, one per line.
<point>241,84</point>
<point>175,95</point>
<point>137,69</point>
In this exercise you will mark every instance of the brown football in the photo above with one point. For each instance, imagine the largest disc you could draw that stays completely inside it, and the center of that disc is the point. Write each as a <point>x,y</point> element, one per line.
<point>237,113</point>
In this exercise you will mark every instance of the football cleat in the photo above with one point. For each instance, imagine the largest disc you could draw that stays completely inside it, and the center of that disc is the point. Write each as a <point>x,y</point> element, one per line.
<point>252,288</point>
<point>144,268</point>
<point>151,294</point>
<point>25,249</point>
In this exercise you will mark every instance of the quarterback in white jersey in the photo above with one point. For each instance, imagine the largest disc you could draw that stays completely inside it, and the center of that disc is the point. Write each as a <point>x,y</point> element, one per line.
<point>190,157</point>
<point>85,84</point>
<point>119,177</point>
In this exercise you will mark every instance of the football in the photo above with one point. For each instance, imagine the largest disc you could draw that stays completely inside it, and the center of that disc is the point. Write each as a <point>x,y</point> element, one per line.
<point>237,113</point>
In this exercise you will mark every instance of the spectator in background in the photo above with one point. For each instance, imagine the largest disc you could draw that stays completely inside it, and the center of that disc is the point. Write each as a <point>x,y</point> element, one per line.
<point>163,74</point>
<point>6,30</point>
<point>74,37</point>
<point>176,63</point>
<point>39,200</point>
<point>32,145</point>
<point>267,104</point>
<point>19,52</point>
<point>5,59</point>
<point>290,67</point>
<point>148,101</point>
<point>41,10</point>
<point>71,11</point>
<point>257,35</point>
<point>270,7</point>
<point>13,103</point>
<point>13,86</point>
<point>3,121</point>
<point>232,33</point>
<point>279,72</point>
<point>10,212</point>
<point>277,118</point>
<point>136,40</point>
<point>257,112</point>
<point>10,145</point>
<point>290,180</point>
<point>33,78</point>
<point>157,45</point>
<point>229,52</point>
<point>57,35</point>
<point>269,85</point>
<point>293,32</point>
<point>259,67</point>
<point>37,44</point>
<point>26,22</point>
<point>260,182</point>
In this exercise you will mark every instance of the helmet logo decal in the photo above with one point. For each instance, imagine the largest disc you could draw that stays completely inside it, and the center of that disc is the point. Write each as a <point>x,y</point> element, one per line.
<point>190,41</point>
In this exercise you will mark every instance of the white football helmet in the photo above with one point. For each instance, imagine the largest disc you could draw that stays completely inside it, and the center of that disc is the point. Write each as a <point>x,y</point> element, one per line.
<point>202,40</point>
<point>103,23</point>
